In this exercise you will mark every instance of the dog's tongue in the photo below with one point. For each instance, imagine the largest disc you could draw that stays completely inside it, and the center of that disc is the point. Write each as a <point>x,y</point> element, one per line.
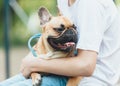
<point>68,44</point>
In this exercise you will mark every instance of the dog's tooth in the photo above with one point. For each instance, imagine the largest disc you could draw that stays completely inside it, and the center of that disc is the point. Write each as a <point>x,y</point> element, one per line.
<point>70,44</point>
<point>67,44</point>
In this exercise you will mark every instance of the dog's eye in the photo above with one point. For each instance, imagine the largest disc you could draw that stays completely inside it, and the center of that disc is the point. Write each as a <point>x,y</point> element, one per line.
<point>59,29</point>
<point>62,25</point>
<point>74,26</point>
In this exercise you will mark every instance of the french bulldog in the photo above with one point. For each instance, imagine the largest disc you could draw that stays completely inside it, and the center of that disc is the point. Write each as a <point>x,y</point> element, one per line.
<point>59,38</point>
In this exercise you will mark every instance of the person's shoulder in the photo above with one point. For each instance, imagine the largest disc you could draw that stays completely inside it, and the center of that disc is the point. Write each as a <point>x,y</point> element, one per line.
<point>60,1</point>
<point>106,3</point>
<point>102,2</point>
<point>92,2</point>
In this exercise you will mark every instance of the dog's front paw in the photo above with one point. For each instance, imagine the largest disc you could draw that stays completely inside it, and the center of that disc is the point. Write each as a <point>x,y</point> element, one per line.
<point>36,79</point>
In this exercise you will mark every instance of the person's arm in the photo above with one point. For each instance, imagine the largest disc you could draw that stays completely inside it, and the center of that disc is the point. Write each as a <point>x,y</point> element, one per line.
<point>81,65</point>
<point>91,28</point>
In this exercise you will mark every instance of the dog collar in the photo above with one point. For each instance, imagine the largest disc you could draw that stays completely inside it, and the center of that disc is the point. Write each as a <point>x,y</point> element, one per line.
<point>29,43</point>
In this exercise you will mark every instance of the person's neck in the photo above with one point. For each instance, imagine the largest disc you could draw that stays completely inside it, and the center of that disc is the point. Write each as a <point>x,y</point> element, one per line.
<point>71,2</point>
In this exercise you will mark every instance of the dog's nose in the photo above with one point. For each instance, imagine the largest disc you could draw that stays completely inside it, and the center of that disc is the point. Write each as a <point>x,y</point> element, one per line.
<point>69,31</point>
<point>70,35</point>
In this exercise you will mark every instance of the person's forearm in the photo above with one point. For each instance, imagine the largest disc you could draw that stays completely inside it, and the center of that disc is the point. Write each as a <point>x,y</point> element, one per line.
<point>73,66</point>
<point>64,66</point>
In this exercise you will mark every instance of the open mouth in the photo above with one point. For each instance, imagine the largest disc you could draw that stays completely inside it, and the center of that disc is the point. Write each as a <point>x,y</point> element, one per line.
<point>66,42</point>
<point>66,45</point>
<point>62,46</point>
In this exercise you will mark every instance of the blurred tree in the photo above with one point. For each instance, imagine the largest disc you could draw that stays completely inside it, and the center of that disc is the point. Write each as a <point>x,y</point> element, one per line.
<point>117,2</point>
<point>19,33</point>
<point>1,21</point>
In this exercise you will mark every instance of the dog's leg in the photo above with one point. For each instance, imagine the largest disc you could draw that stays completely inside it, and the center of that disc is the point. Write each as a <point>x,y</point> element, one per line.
<point>74,81</point>
<point>36,79</point>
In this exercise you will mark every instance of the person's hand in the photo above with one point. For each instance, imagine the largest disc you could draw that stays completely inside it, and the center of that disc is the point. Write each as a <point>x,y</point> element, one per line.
<point>27,64</point>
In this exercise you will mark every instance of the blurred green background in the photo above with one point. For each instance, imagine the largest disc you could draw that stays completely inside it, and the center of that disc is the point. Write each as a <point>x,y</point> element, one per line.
<point>117,2</point>
<point>23,23</point>
<point>19,32</point>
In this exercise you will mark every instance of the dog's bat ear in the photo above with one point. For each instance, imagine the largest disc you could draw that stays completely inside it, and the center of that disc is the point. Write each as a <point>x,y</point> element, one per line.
<point>44,15</point>
<point>59,12</point>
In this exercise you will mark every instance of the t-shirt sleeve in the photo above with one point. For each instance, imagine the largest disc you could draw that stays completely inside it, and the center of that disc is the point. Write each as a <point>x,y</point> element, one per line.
<point>90,24</point>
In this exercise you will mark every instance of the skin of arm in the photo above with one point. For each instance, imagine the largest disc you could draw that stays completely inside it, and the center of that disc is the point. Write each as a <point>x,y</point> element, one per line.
<point>81,65</point>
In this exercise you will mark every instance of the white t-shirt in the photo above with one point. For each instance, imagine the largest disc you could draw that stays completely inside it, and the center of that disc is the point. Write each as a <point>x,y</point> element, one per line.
<point>98,25</point>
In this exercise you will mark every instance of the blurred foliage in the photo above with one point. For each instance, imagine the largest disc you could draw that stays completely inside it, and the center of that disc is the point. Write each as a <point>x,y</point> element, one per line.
<point>33,5</point>
<point>1,21</point>
<point>1,4</point>
<point>19,34</point>
<point>117,2</point>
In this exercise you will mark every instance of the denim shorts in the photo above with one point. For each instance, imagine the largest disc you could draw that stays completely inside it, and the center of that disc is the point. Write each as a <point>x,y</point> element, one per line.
<point>51,80</point>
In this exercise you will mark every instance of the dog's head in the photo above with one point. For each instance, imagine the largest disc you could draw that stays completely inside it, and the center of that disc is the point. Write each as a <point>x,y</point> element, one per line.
<point>59,31</point>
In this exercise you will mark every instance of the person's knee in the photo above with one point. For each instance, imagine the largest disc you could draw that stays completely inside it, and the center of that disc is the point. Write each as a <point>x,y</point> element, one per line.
<point>27,82</point>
